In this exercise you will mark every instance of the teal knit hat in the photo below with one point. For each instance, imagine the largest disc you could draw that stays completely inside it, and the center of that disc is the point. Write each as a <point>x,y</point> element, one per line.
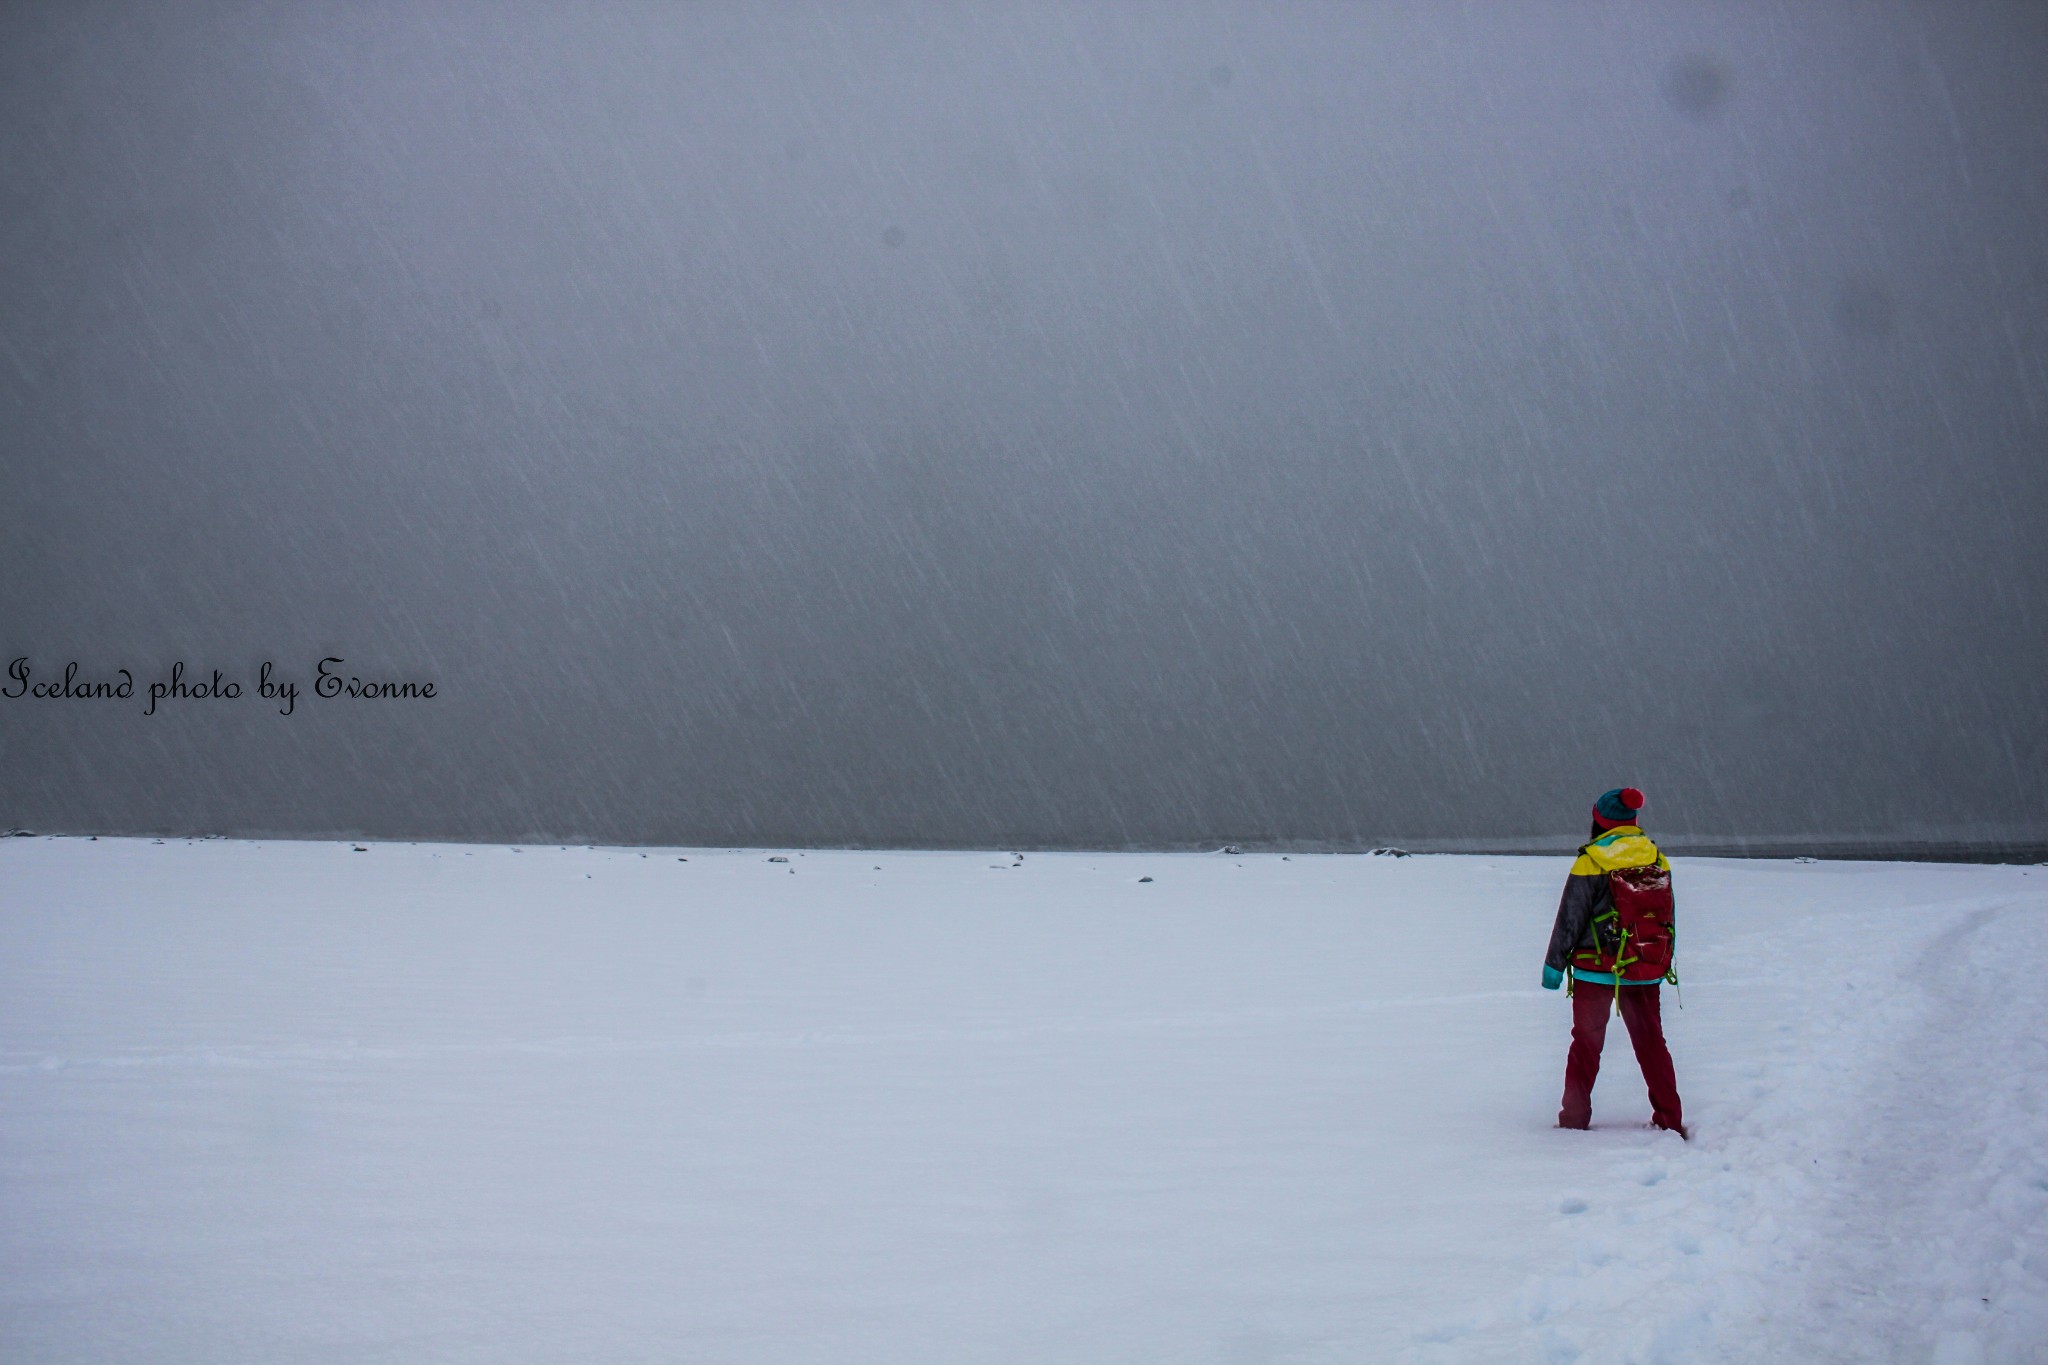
<point>1617,807</point>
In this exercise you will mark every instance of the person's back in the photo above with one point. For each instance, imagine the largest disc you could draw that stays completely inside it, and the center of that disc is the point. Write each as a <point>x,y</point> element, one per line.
<point>1615,957</point>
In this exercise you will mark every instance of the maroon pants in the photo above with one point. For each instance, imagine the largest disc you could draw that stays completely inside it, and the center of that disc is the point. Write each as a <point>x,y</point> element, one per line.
<point>1591,1004</point>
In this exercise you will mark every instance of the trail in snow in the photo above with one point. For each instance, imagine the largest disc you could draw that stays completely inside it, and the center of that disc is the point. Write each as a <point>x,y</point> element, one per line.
<point>1868,1182</point>
<point>288,1103</point>
<point>1934,1237</point>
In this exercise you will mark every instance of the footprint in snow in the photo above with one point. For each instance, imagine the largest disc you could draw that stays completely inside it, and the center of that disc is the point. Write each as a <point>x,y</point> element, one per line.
<point>1572,1204</point>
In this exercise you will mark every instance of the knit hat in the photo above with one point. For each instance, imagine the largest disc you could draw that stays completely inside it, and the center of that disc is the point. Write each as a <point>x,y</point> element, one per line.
<point>1617,807</point>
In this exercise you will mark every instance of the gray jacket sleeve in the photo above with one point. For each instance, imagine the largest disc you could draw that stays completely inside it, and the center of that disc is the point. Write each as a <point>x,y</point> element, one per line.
<point>1584,897</point>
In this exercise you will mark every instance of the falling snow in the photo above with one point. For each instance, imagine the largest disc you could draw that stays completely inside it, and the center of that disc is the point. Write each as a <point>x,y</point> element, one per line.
<point>1032,425</point>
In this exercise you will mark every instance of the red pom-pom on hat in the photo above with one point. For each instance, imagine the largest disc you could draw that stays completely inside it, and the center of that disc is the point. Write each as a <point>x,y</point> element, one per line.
<point>1631,798</point>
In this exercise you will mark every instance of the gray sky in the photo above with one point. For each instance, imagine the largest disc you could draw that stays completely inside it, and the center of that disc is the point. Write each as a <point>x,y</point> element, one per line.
<point>1029,424</point>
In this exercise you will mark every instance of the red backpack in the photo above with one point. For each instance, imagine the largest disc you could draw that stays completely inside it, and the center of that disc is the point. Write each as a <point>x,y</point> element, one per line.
<point>1635,934</point>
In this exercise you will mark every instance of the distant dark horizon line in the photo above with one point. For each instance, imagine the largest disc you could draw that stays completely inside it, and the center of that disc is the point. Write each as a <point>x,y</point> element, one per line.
<point>1846,848</point>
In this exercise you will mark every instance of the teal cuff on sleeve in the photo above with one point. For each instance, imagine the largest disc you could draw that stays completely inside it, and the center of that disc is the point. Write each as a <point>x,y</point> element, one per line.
<point>1552,978</point>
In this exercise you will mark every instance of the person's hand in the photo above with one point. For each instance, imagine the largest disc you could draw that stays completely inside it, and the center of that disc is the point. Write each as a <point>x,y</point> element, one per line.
<point>1552,978</point>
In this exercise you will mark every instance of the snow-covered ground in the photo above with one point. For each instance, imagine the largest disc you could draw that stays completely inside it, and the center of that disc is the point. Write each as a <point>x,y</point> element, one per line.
<point>291,1102</point>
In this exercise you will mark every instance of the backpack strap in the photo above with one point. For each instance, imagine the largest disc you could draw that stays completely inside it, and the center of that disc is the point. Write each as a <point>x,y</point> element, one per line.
<point>1621,957</point>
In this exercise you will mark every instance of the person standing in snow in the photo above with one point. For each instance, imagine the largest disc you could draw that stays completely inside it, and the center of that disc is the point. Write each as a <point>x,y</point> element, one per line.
<point>1615,956</point>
